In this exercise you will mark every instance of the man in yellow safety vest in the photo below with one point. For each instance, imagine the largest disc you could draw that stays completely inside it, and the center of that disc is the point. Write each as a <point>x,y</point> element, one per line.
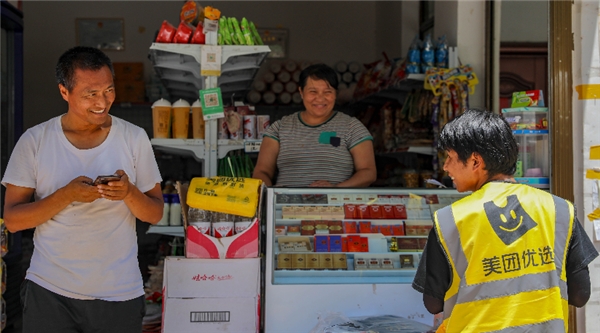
<point>508,257</point>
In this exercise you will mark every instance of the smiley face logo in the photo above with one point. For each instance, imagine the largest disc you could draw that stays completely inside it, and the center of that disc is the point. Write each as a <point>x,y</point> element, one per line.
<point>509,222</point>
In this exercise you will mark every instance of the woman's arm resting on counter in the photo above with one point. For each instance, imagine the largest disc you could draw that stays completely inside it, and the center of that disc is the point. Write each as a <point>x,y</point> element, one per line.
<point>364,165</point>
<point>267,161</point>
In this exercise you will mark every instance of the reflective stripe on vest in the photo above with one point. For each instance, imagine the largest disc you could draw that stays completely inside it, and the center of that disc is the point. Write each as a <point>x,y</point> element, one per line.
<point>506,292</point>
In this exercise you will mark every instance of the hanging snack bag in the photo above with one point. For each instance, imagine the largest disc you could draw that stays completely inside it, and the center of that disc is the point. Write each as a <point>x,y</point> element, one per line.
<point>184,33</point>
<point>212,13</point>
<point>166,33</point>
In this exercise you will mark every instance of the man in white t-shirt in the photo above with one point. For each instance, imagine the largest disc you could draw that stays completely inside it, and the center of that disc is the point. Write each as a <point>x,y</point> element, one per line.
<point>84,274</point>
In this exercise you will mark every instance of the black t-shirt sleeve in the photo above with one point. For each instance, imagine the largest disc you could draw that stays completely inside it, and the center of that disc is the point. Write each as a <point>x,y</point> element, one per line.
<point>581,250</point>
<point>434,274</point>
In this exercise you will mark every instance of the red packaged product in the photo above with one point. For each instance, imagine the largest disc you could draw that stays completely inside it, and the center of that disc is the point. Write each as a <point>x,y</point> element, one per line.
<point>376,211</point>
<point>199,37</point>
<point>385,229</point>
<point>388,211</point>
<point>398,229</point>
<point>364,227</point>
<point>354,244</point>
<point>183,33</point>
<point>374,229</point>
<point>350,227</point>
<point>344,244</point>
<point>400,212</point>
<point>364,244</point>
<point>166,33</point>
<point>363,212</point>
<point>431,198</point>
<point>350,211</point>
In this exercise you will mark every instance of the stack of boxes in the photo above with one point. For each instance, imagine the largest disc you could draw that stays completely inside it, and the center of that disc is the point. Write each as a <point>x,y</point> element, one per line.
<point>216,287</point>
<point>129,82</point>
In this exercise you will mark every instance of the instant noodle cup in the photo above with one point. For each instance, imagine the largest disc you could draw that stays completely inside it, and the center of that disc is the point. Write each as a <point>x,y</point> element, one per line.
<point>161,118</point>
<point>222,229</point>
<point>204,227</point>
<point>181,119</point>
<point>240,226</point>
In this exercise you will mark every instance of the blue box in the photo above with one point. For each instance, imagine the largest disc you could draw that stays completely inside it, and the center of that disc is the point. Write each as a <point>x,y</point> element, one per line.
<point>335,243</point>
<point>322,243</point>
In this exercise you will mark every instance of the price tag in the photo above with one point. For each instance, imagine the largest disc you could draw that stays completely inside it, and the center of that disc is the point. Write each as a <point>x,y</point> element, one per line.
<point>252,146</point>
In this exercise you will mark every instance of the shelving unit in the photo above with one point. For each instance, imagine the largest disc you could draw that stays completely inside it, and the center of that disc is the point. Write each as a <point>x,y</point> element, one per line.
<point>395,92</point>
<point>178,66</point>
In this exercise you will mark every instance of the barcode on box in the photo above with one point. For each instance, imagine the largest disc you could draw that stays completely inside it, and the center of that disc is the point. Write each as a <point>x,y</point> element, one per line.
<point>209,317</point>
<point>211,100</point>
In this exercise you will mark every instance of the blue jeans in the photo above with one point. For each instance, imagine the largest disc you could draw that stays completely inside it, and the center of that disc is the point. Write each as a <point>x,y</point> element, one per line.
<point>45,311</point>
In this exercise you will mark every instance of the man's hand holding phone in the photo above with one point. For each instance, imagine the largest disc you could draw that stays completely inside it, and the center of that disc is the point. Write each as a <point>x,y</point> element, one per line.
<point>106,179</point>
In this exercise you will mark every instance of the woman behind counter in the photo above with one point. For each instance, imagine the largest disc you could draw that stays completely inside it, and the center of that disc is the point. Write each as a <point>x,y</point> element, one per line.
<point>318,147</point>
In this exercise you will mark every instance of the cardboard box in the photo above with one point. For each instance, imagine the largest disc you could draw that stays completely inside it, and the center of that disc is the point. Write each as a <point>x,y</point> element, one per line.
<point>130,91</point>
<point>201,246</point>
<point>211,295</point>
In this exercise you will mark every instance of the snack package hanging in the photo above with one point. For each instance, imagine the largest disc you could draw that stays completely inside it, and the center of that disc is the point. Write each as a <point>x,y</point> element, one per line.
<point>212,13</point>
<point>231,195</point>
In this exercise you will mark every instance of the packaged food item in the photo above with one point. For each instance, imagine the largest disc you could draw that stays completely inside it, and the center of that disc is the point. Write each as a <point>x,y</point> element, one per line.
<point>237,31</point>
<point>527,98</point>
<point>427,54</point>
<point>199,37</point>
<point>212,13</point>
<point>246,32</point>
<point>184,32</point>
<point>249,127</point>
<point>166,33</point>
<point>411,178</point>
<point>191,12</point>
<point>257,39</point>
<point>224,31</point>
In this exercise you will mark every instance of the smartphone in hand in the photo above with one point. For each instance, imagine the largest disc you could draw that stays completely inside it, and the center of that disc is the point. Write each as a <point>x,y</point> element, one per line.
<point>105,179</point>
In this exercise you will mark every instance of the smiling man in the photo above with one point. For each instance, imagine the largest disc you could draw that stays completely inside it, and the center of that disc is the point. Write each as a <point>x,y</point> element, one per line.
<point>508,257</point>
<point>84,274</point>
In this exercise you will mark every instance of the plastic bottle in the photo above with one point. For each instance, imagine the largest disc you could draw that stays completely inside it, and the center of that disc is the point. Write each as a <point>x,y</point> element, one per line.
<point>166,209</point>
<point>175,210</point>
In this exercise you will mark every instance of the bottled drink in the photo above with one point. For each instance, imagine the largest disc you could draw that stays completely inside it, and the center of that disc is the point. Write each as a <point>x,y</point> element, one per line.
<point>166,209</point>
<point>175,210</point>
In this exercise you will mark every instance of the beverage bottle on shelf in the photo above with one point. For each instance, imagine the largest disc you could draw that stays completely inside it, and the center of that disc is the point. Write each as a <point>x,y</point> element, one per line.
<point>175,210</point>
<point>166,209</point>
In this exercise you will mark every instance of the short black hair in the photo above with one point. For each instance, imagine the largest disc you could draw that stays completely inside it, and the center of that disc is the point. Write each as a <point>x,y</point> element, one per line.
<point>485,133</point>
<point>319,72</point>
<point>80,57</point>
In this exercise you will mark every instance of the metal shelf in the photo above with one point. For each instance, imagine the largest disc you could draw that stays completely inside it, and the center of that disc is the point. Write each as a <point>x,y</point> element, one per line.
<point>178,66</point>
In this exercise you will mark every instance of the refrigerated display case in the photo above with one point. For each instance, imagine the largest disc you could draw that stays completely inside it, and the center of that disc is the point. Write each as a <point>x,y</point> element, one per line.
<point>382,234</point>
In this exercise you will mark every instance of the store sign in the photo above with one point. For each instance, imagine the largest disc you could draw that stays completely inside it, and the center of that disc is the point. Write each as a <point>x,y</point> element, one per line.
<point>212,103</point>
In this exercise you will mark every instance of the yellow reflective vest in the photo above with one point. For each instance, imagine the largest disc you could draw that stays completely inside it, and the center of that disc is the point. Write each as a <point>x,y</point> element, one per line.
<point>507,246</point>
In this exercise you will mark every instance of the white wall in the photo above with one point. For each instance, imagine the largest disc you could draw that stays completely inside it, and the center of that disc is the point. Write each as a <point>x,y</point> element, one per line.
<point>524,21</point>
<point>326,31</point>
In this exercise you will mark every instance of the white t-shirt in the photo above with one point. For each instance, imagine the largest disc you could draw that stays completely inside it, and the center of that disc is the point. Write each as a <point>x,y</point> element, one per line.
<point>88,250</point>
